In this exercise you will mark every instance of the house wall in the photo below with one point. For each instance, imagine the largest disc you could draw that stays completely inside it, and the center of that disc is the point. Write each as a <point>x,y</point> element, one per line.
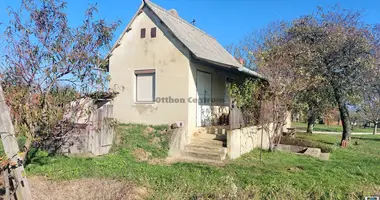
<point>167,56</point>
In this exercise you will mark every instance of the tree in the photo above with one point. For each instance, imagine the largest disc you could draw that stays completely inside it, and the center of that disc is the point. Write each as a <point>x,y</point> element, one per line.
<point>272,54</point>
<point>369,107</point>
<point>43,53</point>
<point>317,101</point>
<point>340,47</point>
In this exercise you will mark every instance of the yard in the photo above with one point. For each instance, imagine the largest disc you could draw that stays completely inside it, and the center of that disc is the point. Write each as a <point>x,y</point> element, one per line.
<point>349,174</point>
<point>301,126</point>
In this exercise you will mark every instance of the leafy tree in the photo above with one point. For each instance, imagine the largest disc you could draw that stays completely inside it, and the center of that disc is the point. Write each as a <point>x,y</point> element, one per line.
<point>317,101</point>
<point>42,53</point>
<point>272,54</point>
<point>339,46</point>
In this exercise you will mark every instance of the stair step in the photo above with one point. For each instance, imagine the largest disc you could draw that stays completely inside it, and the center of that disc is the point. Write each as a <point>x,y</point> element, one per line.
<point>203,155</point>
<point>198,160</point>
<point>200,147</point>
<point>207,142</point>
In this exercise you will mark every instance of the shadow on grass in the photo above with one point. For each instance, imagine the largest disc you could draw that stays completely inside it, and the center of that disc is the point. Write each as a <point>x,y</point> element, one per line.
<point>366,138</point>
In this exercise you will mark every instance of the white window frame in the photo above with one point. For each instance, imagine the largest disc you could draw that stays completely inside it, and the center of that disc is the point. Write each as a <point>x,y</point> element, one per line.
<point>145,72</point>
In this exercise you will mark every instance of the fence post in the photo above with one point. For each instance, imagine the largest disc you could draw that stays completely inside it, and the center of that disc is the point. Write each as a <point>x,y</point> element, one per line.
<point>12,151</point>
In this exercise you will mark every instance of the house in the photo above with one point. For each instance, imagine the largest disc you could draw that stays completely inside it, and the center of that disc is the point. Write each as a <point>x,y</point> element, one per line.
<point>167,70</point>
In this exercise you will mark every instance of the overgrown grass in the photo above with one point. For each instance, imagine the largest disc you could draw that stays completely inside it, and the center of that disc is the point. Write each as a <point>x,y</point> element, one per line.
<point>330,128</point>
<point>153,139</point>
<point>350,173</point>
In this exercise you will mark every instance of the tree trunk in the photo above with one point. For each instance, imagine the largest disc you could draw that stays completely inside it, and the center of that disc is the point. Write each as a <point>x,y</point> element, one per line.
<point>375,129</point>
<point>344,116</point>
<point>310,121</point>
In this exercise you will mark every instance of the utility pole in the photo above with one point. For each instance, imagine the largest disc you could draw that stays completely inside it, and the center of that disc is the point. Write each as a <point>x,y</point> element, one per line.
<point>12,151</point>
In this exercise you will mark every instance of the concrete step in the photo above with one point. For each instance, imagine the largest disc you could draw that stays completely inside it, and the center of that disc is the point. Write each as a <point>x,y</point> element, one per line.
<point>195,160</point>
<point>211,136</point>
<point>206,142</point>
<point>206,136</point>
<point>215,130</point>
<point>201,147</point>
<point>216,156</point>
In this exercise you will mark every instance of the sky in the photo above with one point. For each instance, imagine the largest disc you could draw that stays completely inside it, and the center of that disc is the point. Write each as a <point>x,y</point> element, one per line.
<point>226,20</point>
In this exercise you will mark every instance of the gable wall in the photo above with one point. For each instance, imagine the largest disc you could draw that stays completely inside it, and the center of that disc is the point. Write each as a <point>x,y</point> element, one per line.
<point>167,56</point>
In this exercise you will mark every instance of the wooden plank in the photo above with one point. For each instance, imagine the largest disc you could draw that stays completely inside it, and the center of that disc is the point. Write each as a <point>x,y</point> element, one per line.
<point>12,150</point>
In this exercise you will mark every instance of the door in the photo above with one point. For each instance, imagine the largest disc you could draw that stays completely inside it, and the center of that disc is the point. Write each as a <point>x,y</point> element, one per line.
<point>203,98</point>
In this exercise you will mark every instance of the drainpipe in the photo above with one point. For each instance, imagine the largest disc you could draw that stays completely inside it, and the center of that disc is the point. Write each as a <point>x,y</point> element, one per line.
<point>250,72</point>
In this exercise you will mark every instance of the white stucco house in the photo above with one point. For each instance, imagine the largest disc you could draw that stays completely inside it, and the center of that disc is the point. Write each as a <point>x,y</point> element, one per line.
<point>167,70</point>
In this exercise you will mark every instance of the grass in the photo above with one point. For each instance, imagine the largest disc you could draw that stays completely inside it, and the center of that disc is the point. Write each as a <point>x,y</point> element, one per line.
<point>351,173</point>
<point>330,128</point>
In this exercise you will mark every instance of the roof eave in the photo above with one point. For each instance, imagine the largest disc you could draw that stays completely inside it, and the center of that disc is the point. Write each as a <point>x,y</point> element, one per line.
<point>241,69</point>
<point>117,43</point>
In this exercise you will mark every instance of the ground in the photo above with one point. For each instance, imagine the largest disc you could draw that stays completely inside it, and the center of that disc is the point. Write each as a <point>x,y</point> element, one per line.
<point>84,189</point>
<point>350,173</point>
<point>330,128</point>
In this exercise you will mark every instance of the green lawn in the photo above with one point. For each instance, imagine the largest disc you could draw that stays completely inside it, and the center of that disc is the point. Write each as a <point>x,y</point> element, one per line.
<point>349,174</point>
<point>330,128</point>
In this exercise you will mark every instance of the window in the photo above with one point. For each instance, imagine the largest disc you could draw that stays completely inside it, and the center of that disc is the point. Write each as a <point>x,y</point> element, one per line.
<point>153,32</point>
<point>145,85</point>
<point>142,33</point>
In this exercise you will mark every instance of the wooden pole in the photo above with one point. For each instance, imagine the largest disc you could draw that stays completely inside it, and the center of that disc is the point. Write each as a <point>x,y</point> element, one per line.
<point>12,151</point>
<point>261,142</point>
<point>7,184</point>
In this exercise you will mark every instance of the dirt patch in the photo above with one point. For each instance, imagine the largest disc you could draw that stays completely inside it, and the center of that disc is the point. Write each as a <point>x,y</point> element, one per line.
<point>296,169</point>
<point>148,131</point>
<point>155,140</point>
<point>85,189</point>
<point>141,155</point>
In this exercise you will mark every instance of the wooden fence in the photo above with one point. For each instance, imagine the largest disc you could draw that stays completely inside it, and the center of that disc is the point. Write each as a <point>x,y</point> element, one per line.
<point>95,136</point>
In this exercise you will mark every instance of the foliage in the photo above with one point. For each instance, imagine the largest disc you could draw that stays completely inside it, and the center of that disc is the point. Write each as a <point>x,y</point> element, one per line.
<point>337,47</point>
<point>351,173</point>
<point>320,59</point>
<point>247,97</point>
<point>49,64</point>
<point>314,102</point>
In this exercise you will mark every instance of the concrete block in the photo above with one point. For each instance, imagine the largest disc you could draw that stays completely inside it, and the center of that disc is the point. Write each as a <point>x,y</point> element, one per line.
<point>314,152</point>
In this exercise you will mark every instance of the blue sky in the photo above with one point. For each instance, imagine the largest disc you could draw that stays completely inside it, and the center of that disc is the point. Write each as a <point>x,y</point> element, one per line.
<point>227,20</point>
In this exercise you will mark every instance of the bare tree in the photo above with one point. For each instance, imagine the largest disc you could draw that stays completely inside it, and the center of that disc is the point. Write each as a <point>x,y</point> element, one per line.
<point>369,107</point>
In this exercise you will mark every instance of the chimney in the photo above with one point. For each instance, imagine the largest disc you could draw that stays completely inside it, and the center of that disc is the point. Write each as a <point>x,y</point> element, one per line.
<point>173,12</point>
<point>241,61</point>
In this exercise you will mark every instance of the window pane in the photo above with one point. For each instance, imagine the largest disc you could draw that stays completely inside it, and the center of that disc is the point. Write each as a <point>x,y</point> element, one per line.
<point>142,33</point>
<point>153,32</point>
<point>145,87</point>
